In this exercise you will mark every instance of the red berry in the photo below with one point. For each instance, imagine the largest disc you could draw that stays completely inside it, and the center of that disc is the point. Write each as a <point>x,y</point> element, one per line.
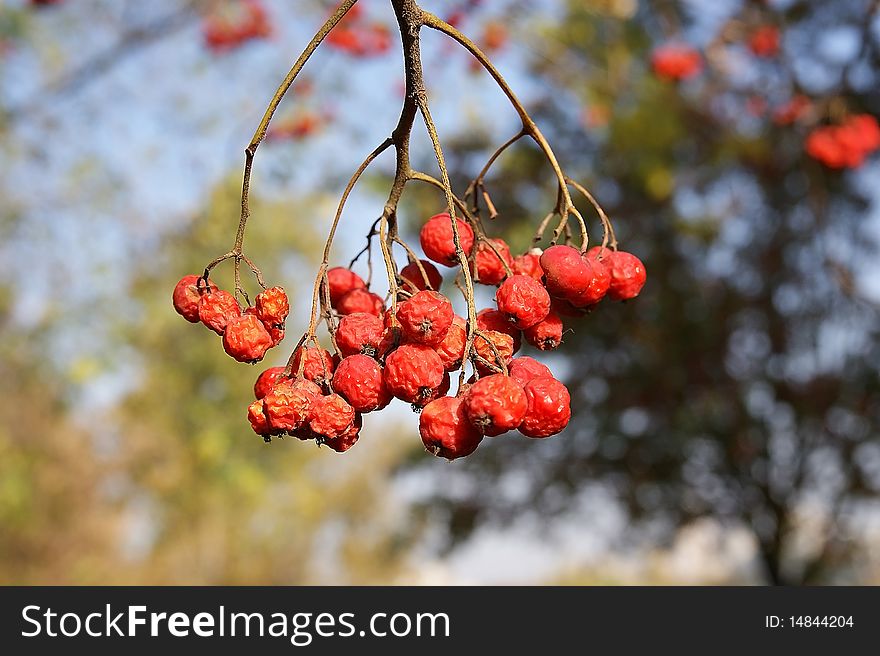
<point>451,349</point>
<point>272,307</point>
<point>441,390</point>
<point>566,273</point>
<point>287,405</point>
<point>529,265</point>
<point>413,275</point>
<point>186,297</point>
<point>495,404</point>
<point>524,369</point>
<point>257,418</point>
<point>437,242</point>
<point>627,275</point>
<point>490,319</point>
<point>346,440</point>
<point>413,372</point>
<point>425,317</point>
<point>523,300</point>
<point>359,333</point>
<point>267,380</point>
<point>329,417</point>
<point>489,266</point>
<point>549,408</point>
<point>545,335</point>
<point>361,300</point>
<point>217,308</point>
<point>445,429</point>
<point>676,61</point>
<point>341,281</point>
<point>359,380</point>
<point>277,335</point>
<point>595,259</point>
<point>317,366</point>
<point>246,339</point>
<point>503,344</point>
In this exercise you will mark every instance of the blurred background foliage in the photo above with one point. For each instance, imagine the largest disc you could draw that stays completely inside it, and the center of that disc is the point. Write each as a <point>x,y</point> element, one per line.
<point>726,422</point>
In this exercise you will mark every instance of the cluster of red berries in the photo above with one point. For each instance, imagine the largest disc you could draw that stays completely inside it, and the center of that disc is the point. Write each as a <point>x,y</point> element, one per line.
<point>356,36</point>
<point>676,61</point>
<point>764,41</point>
<point>845,145</point>
<point>247,334</point>
<point>250,21</point>
<point>411,355</point>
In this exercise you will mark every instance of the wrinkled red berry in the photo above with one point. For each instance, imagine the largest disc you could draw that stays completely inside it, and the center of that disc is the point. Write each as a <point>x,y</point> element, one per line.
<point>217,308</point>
<point>523,300</point>
<point>361,300</point>
<point>359,380</point>
<point>412,372</point>
<point>436,238</point>
<point>413,275</point>
<point>329,417</point>
<point>451,349</point>
<point>317,365</point>
<point>272,307</point>
<point>495,404</point>
<point>566,273</point>
<point>545,335</point>
<point>524,369</point>
<point>483,348</point>
<point>490,319</point>
<point>529,265</point>
<point>489,266</point>
<point>628,275</point>
<point>425,317</point>
<point>347,439</point>
<point>341,281</point>
<point>441,390</point>
<point>549,408</point>
<point>246,339</point>
<point>359,333</point>
<point>186,297</point>
<point>257,418</point>
<point>267,380</point>
<point>445,429</point>
<point>287,405</point>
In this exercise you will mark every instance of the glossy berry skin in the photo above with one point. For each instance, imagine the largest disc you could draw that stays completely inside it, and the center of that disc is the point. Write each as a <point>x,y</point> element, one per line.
<point>287,406</point>
<point>628,276</point>
<point>246,339</point>
<point>523,300</point>
<point>217,308</point>
<point>267,380</point>
<point>425,317</point>
<point>329,417</point>
<point>495,404</point>
<point>340,281</point>
<point>490,319</point>
<point>545,335</point>
<point>361,300</point>
<point>359,380</point>
<point>186,297</point>
<point>347,439</point>
<point>451,348</point>
<point>359,332</point>
<point>529,264</point>
<point>489,266</point>
<point>445,429</point>
<point>549,408</point>
<point>437,241</point>
<point>566,273</point>
<point>414,279</point>
<point>318,365</point>
<point>257,418</point>
<point>525,369</point>
<point>272,307</point>
<point>503,344</point>
<point>413,372</point>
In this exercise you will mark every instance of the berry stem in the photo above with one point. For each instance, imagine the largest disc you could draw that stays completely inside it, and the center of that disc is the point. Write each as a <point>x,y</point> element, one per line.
<point>608,238</point>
